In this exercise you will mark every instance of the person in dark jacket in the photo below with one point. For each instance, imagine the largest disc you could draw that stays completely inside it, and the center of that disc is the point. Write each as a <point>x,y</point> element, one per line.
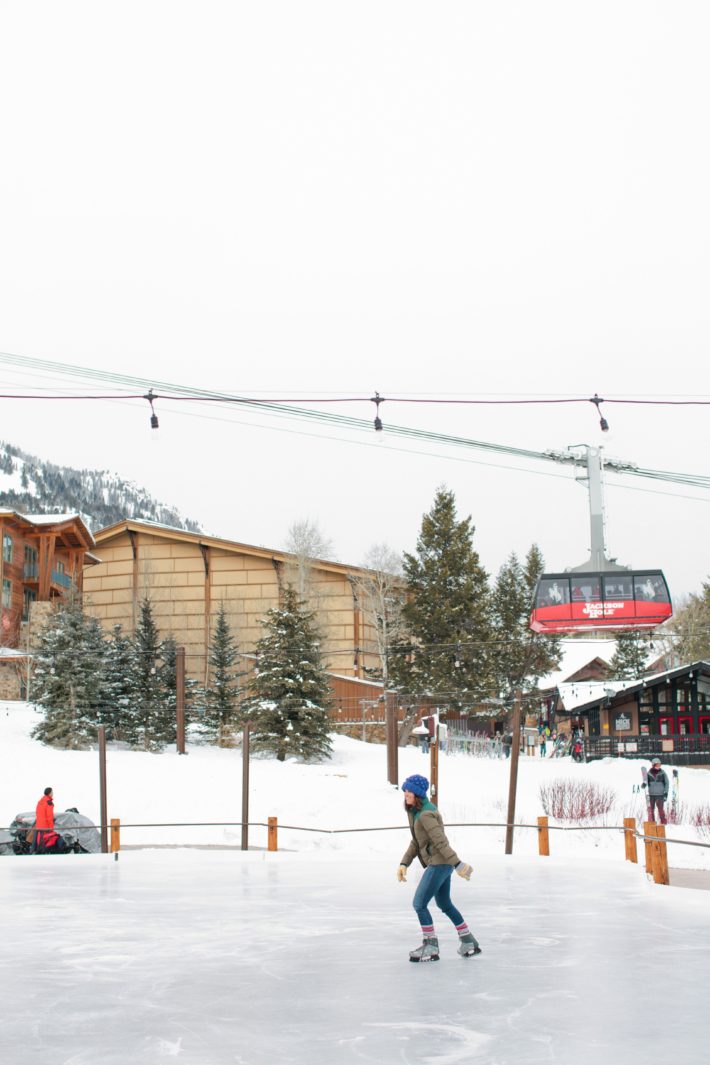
<point>657,791</point>
<point>430,845</point>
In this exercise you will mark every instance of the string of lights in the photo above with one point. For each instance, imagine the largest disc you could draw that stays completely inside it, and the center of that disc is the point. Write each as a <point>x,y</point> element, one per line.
<point>281,407</point>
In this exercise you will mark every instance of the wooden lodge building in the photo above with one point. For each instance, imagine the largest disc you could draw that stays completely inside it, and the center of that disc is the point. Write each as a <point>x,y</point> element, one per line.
<point>187,575</point>
<point>665,715</point>
<point>44,556</point>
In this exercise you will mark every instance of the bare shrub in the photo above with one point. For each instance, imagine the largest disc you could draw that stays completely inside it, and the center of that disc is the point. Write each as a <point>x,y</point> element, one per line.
<point>677,815</point>
<point>700,817</point>
<point>576,800</point>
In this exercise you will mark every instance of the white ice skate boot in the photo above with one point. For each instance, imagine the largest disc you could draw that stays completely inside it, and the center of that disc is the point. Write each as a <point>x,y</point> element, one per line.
<point>429,950</point>
<point>468,946</point>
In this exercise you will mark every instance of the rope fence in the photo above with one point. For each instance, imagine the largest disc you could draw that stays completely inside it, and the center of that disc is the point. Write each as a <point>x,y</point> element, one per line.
<point>653,835</point>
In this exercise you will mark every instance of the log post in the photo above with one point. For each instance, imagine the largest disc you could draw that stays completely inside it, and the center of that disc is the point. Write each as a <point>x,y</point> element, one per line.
<point>273,834</point>
<point>513,784</point>
<point>115,834</point>
<point>649,829</point>
<point>630,839</point>
<point>660,857</point>
<point>102,789</point>
<point>543,837</point>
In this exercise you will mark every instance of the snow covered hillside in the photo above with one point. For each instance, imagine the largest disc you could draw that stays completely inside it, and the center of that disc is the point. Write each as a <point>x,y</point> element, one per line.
<point>349,791</point>
<point>29,484</point>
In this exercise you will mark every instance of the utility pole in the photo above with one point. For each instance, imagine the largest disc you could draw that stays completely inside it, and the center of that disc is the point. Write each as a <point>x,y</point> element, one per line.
<point>434,762</point>
<point>391,736</point>
<point>245,785</point>
<point>102,789</point>
<point>180,697</point>
<point>512,790</point>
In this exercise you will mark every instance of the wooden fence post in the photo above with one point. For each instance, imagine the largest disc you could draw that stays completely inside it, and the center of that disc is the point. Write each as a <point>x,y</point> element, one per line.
<point>273,844</point>
<point>660,857</point>
<point>630,839</point>
<point>543,836</point>
<point>649,829</point>
<point>115,834</point>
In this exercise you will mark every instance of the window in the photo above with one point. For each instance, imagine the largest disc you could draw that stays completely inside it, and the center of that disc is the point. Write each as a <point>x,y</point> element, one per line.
<point>29,597</point>
<point>30,563</point>
<point>649,589</point>
<point>7,548</point>
<point>553,593</point>
<point>618,587</point>
<point>6,593</point>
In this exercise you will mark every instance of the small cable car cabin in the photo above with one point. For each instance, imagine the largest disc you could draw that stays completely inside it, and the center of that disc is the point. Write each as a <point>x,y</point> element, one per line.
<point>583,600</point>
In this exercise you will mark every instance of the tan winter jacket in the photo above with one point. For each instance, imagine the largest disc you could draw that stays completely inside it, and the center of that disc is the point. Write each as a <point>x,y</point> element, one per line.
<point>431,843</point>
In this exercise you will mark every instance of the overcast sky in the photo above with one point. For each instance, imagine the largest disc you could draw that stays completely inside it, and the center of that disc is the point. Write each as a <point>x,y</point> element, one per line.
<point>301,199</point>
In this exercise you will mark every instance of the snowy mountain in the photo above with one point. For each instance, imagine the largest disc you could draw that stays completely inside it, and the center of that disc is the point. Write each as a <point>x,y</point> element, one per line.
<point>31,485</point>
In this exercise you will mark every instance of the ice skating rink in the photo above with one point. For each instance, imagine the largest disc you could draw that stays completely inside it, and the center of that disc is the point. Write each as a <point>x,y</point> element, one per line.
<point>214,957</point>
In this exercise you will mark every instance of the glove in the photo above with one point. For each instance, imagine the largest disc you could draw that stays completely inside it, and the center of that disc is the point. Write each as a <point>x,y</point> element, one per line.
<point>464,870</point>
<point>402,874</point>
<point>643,785</point>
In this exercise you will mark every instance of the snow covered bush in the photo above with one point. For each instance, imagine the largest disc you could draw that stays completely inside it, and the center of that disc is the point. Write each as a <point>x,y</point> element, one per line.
<point>576,800</point>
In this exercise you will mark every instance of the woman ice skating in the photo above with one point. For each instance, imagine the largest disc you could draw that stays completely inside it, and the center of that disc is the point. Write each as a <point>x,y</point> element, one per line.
<point>430,845</point>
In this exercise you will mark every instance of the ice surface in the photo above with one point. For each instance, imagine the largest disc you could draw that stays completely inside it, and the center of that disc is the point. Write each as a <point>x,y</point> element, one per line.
<point>214,957</point>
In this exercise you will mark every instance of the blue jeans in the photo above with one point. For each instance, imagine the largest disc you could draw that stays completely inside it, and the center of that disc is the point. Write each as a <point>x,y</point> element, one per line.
<point>435,884</point>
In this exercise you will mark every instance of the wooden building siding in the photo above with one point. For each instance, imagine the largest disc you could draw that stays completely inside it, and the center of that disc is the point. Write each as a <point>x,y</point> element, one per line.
<point>187,576</point>
<point>45,560</point>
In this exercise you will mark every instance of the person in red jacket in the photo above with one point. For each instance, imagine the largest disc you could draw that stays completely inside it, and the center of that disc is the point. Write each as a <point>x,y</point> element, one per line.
<point>45,836</point>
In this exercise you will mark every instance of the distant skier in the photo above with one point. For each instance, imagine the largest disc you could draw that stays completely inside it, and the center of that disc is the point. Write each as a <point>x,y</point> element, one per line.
<point>657,791</point>
<point>430,845</point>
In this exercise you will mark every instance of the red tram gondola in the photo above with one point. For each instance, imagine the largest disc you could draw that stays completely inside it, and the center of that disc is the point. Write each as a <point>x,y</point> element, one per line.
<point>580,600</point>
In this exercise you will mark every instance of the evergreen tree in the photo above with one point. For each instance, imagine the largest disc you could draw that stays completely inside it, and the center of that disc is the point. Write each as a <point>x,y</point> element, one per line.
<point>222,696</point>
<point>690,628</point>
<point>117,688</point>
<point>67,677</point>
<point>447,612</point>
<point>291,694</point>
<point>630,657</point>
<point>147,726</point>
<point>520,656</point>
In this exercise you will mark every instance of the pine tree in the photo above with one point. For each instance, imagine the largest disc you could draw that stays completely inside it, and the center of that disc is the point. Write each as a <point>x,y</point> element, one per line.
<point>289,706</point>
<point>146,719</point>
<point>630,657</point>
<point>223,694</point>
<point>447,612</point>
<point>67,677</point>
<point>117,688</point>
<point>520,656</point>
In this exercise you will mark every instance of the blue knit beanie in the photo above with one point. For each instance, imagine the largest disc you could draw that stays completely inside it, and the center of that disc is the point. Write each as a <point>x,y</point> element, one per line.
<point>417,785</point>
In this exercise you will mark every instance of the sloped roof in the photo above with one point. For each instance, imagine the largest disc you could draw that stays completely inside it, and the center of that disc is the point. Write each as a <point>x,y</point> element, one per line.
<point>184,536</point>
<point>575,655</point>
<point>62,523</point>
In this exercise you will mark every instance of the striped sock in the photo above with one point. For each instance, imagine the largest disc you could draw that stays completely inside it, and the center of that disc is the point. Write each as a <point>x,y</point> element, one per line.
<point>463,929</point>
<point>428,931</point>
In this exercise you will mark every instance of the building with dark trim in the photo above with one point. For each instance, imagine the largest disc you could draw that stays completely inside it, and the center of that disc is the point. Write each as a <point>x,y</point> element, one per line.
<point>666,715</point>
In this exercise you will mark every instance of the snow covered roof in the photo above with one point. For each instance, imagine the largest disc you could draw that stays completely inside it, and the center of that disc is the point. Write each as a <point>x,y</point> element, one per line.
<point>578,693</point>
<point>575,655</point>
<point>74,519</point>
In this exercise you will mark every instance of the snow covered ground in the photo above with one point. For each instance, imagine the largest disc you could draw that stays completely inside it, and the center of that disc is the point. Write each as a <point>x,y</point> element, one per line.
<point>349,791</point>
<point>300,957</point>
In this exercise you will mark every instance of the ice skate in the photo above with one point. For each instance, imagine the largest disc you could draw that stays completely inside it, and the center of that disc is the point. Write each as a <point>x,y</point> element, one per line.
<point>468,946</point>
<point>429,950</point>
